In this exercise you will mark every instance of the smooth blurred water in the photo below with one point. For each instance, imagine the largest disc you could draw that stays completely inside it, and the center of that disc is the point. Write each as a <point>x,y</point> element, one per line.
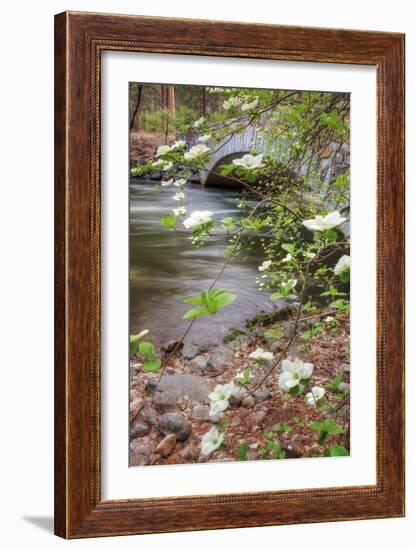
<point>165,268</point>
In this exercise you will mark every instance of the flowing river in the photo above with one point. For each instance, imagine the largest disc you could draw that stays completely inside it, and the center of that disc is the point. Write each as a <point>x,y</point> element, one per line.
<point>165,268</point>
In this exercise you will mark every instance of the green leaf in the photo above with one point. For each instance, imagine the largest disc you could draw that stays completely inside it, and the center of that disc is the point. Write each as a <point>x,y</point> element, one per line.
<point>152,365</point>
<point>281,427</point>
<point>245,378</point>
<point>295,390</point>
<point>336,450</point>
<point>224,299</point>
<point>328,425</point>
<point>169,221</point>
<point>195,312</point>
<point>147,349</point>
<point>288,248</point>
<point>242,451</point>
<point>222,424</point>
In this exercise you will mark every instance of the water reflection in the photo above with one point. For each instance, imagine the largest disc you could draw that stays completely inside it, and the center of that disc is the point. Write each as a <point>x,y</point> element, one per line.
<point>165,268</point>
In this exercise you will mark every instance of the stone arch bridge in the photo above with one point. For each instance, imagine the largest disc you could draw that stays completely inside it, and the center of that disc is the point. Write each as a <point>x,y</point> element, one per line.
<point>335,161</point>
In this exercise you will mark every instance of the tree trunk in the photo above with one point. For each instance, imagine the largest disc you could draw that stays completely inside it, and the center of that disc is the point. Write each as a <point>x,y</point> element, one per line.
<point>136,107</point>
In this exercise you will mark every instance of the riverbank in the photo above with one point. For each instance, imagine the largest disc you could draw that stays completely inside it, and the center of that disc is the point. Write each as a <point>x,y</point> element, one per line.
<point>169,416</point>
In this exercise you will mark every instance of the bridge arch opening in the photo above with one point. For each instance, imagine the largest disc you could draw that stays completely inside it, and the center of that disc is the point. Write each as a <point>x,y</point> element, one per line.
<point>214,179</point>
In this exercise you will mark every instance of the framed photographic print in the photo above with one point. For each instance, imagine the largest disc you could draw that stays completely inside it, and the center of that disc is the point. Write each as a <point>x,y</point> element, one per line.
<point>229,213</point>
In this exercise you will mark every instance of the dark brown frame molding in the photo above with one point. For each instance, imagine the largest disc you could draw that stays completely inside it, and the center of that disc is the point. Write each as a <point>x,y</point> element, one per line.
<point>79,40</point>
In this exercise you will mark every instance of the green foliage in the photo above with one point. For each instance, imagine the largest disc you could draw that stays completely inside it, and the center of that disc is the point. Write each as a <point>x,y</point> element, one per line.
<point>242,451</point>
<point>316,329</point>
<point>336,450</point>
<point>151,362</point>
<point>334,384</point>
<point>169,222</point>
<point>246,376</point>
<point>325,428</point>
<point>281,427</point>
<point>210,302</point>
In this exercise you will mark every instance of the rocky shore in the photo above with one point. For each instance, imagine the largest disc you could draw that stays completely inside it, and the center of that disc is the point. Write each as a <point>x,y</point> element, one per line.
<point>169,413</point>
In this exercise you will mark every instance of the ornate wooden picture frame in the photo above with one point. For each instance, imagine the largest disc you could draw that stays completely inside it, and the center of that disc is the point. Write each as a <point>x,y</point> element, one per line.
<point>80,38</point>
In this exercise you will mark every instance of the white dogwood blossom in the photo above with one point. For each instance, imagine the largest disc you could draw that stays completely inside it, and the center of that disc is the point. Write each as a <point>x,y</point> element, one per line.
<point>179,144</point>
<point>315,395</point>
<point>199,122</point>
<point>250,106</point>
<point>342,265</point>
<point>261,355</point>
<point>178,196</point>
<point>288,258</point>
<point>265,265</point>
<point>198,218</point>
<point>167,182</point>
<point>205,138</point>
<point>219,398</point>
<point>162,150</point>
<point>293,372</point>
<point>211,441</point>
<point>167,166</point>
<point>180,182</point>
<point>249,162</point>
<point>322,223</point>
<point>180,211</point>
<point>158,164</point>
<point>231,102</point>
<point>196,151</point>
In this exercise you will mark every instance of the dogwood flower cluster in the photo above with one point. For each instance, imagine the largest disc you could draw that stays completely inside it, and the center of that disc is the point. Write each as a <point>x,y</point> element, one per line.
<point>231,102</point>
<point>204,138</point>
<point>199,122</point>
<point>219,398</point>
<point>249,162</point>
<point>342,265</point>
<point>315,395</point>
<point>180,211</point>
<point>323,223</point>
<point>293,372</point>
<point>261,356</point>
<point>196,152</point>
<point>250,106</point>
<point>211,441</point>
<point>265,265</point>
<point>198,218</point>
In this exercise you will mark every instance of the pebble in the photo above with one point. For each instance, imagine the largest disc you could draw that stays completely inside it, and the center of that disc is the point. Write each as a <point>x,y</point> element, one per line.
<point>166,445</point>
<point>189,453</point>
<point>135,407</point>
<point>139,453</point>
<point>248,402</point>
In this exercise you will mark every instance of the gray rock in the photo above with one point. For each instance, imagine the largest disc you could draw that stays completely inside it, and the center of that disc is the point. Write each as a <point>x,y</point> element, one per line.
<point>238,395</point>
<point>175,423</point>
<point>139,453</point>
<point>138,428</point>
<point>175,387</point>
<point>171,345</point>
<point>166,445</point>
<point>190,350</point>
<point>262,395</point>
<point>345,367</point>
<point>260,416</point>
<point>198,365</point>
<point>200,413</point>
<point>344,386</point>
<point>150,415</point>
<point>218,360</point>
<point>238,342</point>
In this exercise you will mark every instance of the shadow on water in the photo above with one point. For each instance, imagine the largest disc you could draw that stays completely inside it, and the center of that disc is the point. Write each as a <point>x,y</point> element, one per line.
<point>165,268</point>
